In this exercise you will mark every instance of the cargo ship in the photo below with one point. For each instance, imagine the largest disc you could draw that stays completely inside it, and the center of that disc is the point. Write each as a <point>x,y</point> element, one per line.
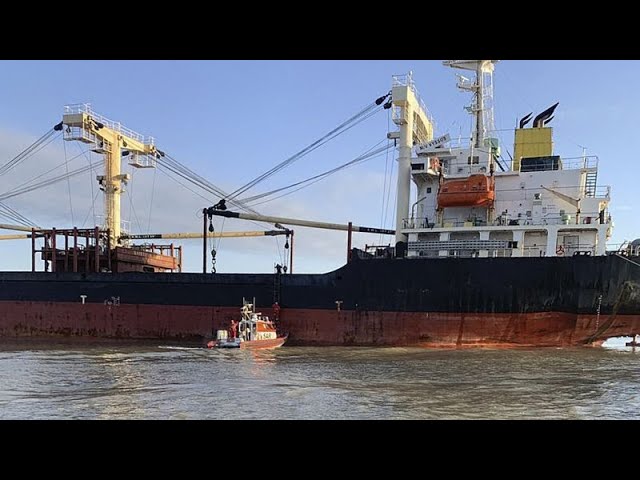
<point>492,252</point>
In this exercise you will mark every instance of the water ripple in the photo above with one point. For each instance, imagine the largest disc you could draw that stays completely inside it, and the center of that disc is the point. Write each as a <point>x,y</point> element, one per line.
<point>169,382</point>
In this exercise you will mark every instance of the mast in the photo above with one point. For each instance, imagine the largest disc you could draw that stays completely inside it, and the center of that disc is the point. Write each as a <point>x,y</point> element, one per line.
<point>416,126</point>
<point>479,106</point>
<point>482,89</point>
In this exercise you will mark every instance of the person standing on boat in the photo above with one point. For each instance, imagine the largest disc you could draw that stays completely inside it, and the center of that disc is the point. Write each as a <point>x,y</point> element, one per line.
<point>233,329</point>
<point>276,312</point>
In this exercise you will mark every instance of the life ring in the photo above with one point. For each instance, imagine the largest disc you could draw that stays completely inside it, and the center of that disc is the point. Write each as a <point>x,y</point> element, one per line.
<point>560,251</point>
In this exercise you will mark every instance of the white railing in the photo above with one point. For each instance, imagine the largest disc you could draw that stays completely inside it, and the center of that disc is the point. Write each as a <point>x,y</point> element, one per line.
<point>406,80</point>
<point>586,218</point>
<point>117,126</point>
<point>577,163</point>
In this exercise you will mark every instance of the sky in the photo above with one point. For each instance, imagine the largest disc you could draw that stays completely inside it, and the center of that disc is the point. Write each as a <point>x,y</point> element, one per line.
<point>229,121</point>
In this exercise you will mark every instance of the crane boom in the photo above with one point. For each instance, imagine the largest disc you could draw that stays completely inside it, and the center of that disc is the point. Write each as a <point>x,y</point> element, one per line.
<point>298,222</point>
<point>19,228</point>
<point>154,236</point>
<point>17,236</point>
<point>174,236</point>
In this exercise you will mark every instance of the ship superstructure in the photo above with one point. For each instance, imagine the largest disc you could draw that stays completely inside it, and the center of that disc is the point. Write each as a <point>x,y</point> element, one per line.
<point>472,202</point>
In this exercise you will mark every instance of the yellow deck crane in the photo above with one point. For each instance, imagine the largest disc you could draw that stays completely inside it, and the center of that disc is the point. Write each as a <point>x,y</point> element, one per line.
<point>114,141</point>
<point>106,248</point>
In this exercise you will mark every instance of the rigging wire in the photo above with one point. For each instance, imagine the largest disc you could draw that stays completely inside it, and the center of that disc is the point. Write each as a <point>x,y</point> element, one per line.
<point>282,262</point>
<point>316,178</point>
<point>161,170</point>
<point>364,156</point>
<point>384,185</point>
<point>174,166</point>
<point>89,211</point>
<point>186,173</point>
<point>351,122</point>
<point>14,216</point>
<point>28,152</point>
<point>134,212</point>
<point>153,189</point>
<point>393,165</point>
<point>66,165</point>
<point>395,204</point>
<point>24,184</point>
<point>31,188</point>
<point>131,192</point>
<point>93,201</point>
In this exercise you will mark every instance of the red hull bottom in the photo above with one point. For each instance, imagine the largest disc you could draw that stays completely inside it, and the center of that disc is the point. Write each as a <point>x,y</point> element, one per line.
<point>315,327</point>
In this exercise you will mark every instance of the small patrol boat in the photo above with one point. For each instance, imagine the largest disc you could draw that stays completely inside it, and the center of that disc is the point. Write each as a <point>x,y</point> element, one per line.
<point>252,331</point>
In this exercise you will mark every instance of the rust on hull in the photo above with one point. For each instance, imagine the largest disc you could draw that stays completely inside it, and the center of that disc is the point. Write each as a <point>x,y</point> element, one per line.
<point>315,326</point>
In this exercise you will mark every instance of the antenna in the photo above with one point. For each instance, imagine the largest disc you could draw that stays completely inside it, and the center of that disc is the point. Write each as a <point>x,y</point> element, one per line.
<point>584,155</point>
<point>482,89</point>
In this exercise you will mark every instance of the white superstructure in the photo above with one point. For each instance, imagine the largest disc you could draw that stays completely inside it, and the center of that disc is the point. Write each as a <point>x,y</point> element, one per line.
<point>471,202</point>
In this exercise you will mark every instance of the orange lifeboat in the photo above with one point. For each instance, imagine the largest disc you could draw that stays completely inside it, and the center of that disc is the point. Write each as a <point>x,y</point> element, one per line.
<point>473,191</point>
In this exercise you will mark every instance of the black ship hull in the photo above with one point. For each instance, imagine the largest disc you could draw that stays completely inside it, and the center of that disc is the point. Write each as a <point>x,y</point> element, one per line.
<point>426,302</point>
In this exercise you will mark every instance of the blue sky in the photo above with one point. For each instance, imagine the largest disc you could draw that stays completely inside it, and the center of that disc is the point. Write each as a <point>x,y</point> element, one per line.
<point>231,120</point>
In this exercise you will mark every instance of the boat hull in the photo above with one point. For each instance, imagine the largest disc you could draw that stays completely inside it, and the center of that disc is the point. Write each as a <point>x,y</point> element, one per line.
<point>430,303</point>
<point>264,344</point>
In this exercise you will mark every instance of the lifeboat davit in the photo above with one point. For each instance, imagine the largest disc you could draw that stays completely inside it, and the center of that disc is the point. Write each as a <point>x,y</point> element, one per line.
<point>473,191</point>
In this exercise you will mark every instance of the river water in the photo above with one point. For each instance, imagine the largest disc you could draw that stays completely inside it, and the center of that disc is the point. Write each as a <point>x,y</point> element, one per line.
<point>45,381</point>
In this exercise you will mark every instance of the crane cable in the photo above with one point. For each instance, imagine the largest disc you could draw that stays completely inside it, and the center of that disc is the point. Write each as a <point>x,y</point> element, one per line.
<point>174,166</point>
<point>8,212</point>
<point>153,190</point>
<point>386,208</point>
<point>351,122</point>
<point>367,155</point>
<point>32,149</point>
<point>43,174</point>
<point>46,183</point>
<point>384,185</point>
<point>66,166</point>
<point>167,162</point>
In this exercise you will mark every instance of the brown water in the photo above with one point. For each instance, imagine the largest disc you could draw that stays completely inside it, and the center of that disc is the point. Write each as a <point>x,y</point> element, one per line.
<point>163,382</point>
